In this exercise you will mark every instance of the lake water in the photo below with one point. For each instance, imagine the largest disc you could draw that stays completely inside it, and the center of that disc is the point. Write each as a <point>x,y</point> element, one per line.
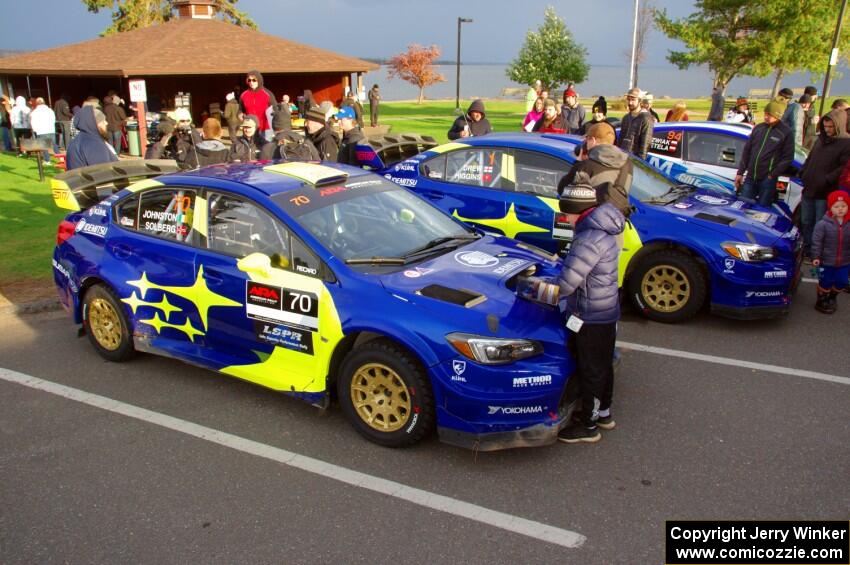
<point>487,81</point>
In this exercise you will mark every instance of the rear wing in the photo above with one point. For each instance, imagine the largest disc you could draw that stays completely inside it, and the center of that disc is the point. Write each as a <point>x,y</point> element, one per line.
<point>82,188</point>
<point>382,151</point>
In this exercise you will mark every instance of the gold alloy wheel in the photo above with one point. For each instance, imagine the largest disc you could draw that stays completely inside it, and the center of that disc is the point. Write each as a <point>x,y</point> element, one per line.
<point>665,288</point>
<point>105,324</point>
<point>380,397</point>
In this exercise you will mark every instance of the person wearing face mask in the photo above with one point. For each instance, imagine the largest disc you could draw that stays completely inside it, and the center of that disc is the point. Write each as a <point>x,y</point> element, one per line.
<point>636,126</point>
<point>247,146</point>
<point>89,146</point>
<point>552,121</point>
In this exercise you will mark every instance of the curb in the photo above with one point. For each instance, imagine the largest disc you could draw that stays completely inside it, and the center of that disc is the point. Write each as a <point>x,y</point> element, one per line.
<point>36,307</point>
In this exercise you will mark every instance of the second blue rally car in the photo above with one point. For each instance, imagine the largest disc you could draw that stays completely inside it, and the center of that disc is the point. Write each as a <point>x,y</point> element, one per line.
<point>684,245</point>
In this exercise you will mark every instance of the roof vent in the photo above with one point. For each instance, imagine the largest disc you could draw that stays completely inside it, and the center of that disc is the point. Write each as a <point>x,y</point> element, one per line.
<point>195,9</point>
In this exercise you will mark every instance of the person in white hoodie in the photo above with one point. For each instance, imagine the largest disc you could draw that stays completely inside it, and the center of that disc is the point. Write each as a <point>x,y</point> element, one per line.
<point>20,117</point>
<point>43,123</point>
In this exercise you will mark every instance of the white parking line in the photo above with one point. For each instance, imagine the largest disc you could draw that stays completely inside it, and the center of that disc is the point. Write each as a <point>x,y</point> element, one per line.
<point>808,280</point>
<point>734,362</point>
<point>508,522</point>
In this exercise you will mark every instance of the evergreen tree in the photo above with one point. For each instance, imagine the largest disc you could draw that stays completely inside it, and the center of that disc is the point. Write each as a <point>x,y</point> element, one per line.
<point>549,55</point>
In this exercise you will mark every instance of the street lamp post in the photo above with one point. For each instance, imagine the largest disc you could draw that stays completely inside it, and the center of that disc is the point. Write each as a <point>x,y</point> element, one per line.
<point>457,94</point>
<point>833,56</point>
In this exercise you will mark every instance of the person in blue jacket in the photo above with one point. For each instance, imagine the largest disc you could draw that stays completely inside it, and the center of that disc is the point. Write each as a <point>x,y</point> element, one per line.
<point>89,146</point>
<point>588,280</point>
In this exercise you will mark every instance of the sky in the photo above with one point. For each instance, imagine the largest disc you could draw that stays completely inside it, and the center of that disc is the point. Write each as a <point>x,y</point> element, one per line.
<point>382,28</point>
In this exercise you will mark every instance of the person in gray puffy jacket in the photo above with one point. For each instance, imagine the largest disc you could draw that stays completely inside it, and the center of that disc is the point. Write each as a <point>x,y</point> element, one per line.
<point>588,280</point>
<point>831,251</point>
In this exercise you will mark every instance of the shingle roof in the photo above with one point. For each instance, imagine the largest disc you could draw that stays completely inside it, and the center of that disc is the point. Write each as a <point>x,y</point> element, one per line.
<point>180,47</point>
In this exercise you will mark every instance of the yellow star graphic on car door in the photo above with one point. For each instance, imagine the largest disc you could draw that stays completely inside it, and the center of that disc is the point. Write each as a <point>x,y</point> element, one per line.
<point>510,225</point>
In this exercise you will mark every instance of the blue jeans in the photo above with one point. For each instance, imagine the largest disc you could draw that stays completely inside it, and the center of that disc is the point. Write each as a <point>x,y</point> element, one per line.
<point>759,191</point>
<point>116,141</point>
<point>811,211</point>
<point>834,278</point>
<point>51,138</point>
<point>7,138</point>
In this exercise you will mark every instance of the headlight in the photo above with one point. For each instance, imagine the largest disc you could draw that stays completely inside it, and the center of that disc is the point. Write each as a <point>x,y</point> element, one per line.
<point>749,252</point>
<point>492,351</point>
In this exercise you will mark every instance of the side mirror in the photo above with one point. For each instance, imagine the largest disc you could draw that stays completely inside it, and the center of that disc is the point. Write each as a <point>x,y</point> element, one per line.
<point>257,264</point>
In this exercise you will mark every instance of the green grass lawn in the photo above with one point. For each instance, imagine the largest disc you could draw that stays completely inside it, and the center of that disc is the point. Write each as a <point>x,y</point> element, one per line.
<point>435,117</point>
<point>28,222</point>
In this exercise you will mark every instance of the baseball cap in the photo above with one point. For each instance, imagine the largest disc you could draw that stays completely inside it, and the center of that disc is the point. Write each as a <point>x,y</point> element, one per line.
<point>346,112</point>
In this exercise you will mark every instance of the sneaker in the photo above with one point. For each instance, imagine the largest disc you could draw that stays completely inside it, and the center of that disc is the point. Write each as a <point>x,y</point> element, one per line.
<point>606,422</point>
<point>576,433</point>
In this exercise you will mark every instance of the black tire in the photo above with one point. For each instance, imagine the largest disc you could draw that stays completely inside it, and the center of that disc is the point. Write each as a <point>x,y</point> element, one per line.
<point>401,407</point>
<point>667,286</point>
<point>106,324</point>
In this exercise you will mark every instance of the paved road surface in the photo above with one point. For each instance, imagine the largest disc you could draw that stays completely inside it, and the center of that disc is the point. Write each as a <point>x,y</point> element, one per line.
<point>696,439</point>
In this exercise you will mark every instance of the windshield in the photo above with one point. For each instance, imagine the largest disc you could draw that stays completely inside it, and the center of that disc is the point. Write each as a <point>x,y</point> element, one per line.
<point>380,221</point>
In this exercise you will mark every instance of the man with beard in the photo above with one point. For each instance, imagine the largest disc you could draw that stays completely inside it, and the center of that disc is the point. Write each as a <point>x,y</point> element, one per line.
<point>636,127</point>
<point>351,134</point>
<point>89,146</point>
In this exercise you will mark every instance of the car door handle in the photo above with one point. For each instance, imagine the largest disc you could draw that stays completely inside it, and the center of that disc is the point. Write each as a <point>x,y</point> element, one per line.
<point>431,195</point>
<point>122,251</point>
<point>525,210</point>
<point>213,278</point>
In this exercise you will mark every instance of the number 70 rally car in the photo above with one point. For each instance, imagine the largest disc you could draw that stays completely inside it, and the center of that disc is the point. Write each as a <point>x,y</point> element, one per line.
<point>313,279</point>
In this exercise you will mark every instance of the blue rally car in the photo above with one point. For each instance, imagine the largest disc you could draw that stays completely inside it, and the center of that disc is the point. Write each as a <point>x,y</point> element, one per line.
<point>683,245</point>
<point>314,280</point>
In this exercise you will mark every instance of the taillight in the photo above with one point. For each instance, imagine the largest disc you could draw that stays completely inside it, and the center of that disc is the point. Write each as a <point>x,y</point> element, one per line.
<point>65,231</point>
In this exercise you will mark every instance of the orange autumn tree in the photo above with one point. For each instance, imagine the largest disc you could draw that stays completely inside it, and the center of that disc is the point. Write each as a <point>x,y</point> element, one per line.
<point>416,66</point>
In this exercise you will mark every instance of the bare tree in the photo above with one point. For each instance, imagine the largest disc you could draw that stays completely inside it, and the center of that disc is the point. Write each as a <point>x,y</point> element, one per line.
<point>646,19</point>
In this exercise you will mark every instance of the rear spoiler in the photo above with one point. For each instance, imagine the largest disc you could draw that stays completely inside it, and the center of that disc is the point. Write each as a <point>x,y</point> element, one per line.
<point>382,151</point>
<point>82,188</point>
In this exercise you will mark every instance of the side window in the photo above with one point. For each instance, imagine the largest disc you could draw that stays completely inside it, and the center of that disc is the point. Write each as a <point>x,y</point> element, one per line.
<point>667,143</point>
<point>239,228</point>
<point>475,167</point>
<point>715,149</point>
<point>434,168</point>
<point>539,174</point>
<point>304,261</point>
<point>127,213</point>
<point>167,214</point>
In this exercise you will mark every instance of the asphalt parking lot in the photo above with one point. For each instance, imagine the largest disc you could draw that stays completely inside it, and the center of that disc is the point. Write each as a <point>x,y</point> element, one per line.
<point>215,470</point>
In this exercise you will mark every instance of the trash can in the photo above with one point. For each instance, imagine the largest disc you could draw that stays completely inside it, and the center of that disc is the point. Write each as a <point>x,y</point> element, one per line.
<point>133,144</point>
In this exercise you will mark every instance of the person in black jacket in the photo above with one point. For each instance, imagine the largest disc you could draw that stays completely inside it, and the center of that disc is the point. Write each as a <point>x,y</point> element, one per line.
<point>320,135</point>
<point>209,151</point>
<point>472,124</point>
<point>351,135</point>
<point>822,170</point>
<point>247,146</point>
<point>374,101</point>
<point>767,153</point>
<point>289,146</point>
<point>636,126</point>
<point>116,119</point>
<point>351,100</point>
<point>64,117</point>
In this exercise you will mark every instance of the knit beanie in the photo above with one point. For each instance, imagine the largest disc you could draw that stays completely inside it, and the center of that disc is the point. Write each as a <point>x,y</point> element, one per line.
<point>775,109</point>
<point>836,196</point>
<point>577,198</point>
<point>600,106</point>
<point>315,114</point>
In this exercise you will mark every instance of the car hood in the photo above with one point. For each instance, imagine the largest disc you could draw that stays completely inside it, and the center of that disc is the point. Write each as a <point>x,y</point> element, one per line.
<point>727,214</point>
<point>473,287</point>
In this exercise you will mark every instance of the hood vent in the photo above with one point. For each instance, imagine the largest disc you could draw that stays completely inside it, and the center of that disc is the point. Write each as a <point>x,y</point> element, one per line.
<point>459,296</point>
<point>716,219</point>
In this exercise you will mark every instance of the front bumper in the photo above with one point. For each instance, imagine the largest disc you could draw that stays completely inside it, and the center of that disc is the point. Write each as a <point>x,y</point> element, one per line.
<point>531,436</point>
